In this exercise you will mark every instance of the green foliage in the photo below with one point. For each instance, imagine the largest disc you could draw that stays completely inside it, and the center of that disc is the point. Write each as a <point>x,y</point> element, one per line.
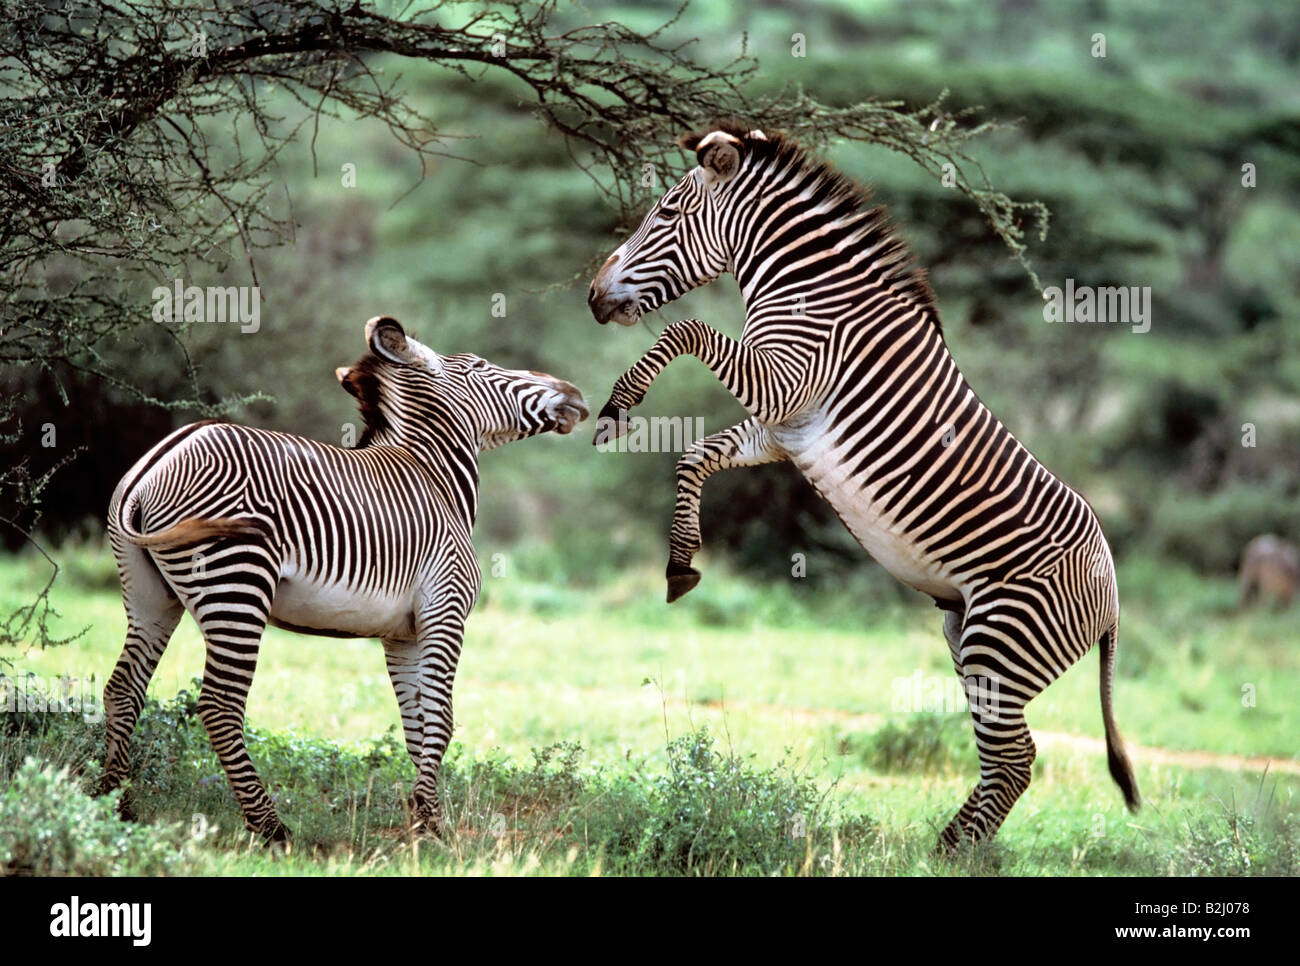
<point>1237,842</point>
<point>1208,530</point>
<point>49,826</point>
<point>717,814</point>
<point>924,742</point>
<point>708,813</point>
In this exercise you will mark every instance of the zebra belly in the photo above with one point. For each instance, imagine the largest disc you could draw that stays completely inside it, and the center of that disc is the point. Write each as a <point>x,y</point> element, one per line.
<point>857,507</point>
<point>337,610</point>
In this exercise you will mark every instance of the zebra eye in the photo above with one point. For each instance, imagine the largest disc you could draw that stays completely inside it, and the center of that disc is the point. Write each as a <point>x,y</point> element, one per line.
<point>668,214</point>
<point>478,364</point>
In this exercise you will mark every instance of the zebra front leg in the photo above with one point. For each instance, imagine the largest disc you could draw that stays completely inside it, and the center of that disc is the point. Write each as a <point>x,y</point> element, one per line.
<point>440,631</point>
<point>770,382</point>
<point>745,444</point>
<point>403,659</point>
<point>152,613</point>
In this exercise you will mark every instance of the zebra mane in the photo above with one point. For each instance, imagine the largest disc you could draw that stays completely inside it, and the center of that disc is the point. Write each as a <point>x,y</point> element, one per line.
<point>849,203</point>
<point>362,383</point>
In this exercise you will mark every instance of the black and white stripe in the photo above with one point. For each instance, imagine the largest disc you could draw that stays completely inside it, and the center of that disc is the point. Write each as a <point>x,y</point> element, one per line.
<point>844,370</point>
<point>243,527</point>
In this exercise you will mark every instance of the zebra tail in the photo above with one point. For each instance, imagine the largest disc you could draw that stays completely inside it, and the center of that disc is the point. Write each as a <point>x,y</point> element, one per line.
<point>1121,769</point>
<point>197,529</point>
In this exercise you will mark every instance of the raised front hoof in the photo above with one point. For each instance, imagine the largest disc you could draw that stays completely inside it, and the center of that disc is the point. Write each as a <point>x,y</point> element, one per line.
<point>610,424</point>
<point>681,581</point>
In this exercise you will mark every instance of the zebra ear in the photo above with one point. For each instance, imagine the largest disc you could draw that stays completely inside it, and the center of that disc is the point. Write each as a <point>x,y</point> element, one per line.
<point>719,154</point>
<point>388,340</point>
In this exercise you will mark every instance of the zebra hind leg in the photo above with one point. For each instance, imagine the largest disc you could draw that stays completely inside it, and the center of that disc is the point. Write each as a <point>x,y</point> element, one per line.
<point>227,675</point>
<point>997,695</point>
<point>152,613</point>
<point>232,616</point>
<point>953,621</point>
<point>1007,754</point>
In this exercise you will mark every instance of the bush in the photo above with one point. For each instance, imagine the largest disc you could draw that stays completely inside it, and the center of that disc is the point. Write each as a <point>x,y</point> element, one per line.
<point>49,826</point>
<point>63,738</point>
<point>708,814</point>
<point>1238,844</point>
<point>716,814</point>
<point>930,742</point>
<point>1209,531</point>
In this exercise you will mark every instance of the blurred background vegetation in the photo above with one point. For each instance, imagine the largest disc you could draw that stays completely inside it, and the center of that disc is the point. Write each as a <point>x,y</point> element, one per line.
<point>1139,155</point>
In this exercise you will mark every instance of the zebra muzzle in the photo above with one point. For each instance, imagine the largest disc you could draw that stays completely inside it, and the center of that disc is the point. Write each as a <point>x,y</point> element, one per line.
<point>614,307</point>
<point>569,412</point>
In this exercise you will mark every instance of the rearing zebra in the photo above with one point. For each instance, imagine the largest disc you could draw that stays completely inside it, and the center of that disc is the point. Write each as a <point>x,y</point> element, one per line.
<point>843,368</point>
<point>244,527</point>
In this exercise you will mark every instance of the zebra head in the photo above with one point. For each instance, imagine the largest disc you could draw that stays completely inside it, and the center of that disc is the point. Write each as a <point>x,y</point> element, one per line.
<point>679,244</point>
<point>407,391</point>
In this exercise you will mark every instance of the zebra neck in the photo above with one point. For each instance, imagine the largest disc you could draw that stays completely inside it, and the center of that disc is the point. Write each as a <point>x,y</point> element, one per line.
<point>842,290</point>
<point>451,462</point>
<point>455,468</point>
<point>826,268</point>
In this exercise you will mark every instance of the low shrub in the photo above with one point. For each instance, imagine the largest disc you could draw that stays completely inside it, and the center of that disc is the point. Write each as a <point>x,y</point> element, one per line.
<point>50,826</point>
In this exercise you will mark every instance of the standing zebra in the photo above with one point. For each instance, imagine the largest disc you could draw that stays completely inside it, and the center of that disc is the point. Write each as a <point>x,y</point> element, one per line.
<point>844,371</point>
<point>244,527</point>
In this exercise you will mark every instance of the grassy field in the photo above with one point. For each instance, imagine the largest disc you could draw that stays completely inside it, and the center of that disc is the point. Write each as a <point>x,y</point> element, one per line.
<point>756,730</point>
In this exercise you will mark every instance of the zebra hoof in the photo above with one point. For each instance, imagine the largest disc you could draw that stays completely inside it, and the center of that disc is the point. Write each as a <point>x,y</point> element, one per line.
<point>278,835</point>
<point>426,828</point>
<point>610,424</point>
<point>681,581</point>
<point>425,819</point>
<point>429,829</point>
<point>952,841</point>
<point>125,802</point>
<point>944,849</point>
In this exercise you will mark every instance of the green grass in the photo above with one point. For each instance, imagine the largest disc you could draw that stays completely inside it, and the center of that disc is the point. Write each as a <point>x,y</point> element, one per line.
<point>598,730</point>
